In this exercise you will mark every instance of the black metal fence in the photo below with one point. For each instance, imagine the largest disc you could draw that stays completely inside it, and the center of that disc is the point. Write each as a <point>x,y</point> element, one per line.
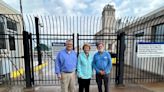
<point>49,33</point>
<point>146,67</point>
<point>143,69</point>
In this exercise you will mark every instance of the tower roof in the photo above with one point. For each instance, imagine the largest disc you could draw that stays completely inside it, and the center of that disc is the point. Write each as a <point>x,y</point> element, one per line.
<point>109,7</point>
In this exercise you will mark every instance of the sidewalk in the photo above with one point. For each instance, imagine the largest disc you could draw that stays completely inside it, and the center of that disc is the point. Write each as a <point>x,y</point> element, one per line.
<point>93,88</point>
<point>155,87</point>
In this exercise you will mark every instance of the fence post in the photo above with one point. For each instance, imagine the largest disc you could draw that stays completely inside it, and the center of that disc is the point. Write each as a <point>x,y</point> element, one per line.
<point>27,59</point>
<point>31,55</point>
<point>73,40</point>
<point>121,59</point>
<point>38,41</point>
<point>77,44</point>
<point>117,60</point>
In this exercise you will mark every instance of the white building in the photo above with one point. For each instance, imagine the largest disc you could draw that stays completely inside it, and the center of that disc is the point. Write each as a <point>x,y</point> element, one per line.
<point>11,40</point>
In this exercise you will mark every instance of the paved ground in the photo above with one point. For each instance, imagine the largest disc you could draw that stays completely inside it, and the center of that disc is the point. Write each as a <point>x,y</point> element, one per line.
<point>93,88</point>
<point>151,87</point>
<point>155,87</point>
<point>130,73</point>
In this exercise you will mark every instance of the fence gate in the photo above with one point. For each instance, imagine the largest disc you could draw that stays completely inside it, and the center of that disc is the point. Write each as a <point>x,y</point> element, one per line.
<point>58,30</point>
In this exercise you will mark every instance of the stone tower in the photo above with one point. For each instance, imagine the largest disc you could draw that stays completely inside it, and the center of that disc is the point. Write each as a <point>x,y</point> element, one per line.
<point>109,27</point>
<point>108,19</point>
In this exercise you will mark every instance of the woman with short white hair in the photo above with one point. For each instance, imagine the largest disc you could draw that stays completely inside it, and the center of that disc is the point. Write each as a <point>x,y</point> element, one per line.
<point>84,68</point>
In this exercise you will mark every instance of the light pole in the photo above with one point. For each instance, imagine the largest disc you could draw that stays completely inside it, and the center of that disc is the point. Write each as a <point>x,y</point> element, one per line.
<point>21,10</point>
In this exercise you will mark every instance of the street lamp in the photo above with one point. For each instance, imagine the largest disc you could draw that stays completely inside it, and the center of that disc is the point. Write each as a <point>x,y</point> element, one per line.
<point>21,9</point>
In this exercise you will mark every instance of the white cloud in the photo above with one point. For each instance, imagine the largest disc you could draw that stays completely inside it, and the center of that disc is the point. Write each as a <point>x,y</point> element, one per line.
<point>137,7</point>
<point>39,11</point>
<point>69,3</point>
<point>82,6</point>
<point>86,7</point>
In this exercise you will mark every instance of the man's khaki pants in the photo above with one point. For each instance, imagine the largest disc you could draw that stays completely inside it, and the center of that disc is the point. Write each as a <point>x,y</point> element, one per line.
<point>68,82</point>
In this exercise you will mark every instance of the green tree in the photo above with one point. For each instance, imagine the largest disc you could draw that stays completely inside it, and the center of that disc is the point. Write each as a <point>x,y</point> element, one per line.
<point>43,47</point>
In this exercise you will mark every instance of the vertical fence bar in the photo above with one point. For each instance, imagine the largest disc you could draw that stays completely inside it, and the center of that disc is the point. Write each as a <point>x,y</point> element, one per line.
<point>116,74</point>
<point>77,43</point>
<point>38,41</point>
<point>73,38</point>
<point>117,61</point>
<point>27,59</point>
<point>32,63</point>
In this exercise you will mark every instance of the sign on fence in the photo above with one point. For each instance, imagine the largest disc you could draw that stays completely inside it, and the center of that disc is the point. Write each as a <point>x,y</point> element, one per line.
<point>56,47</point>
<point>150,49</point>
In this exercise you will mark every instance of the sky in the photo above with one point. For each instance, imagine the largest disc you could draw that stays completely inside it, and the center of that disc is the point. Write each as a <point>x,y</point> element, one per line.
<point>86,7</point>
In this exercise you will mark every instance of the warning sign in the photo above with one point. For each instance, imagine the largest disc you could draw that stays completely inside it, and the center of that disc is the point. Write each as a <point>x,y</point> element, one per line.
<point>150,49</point>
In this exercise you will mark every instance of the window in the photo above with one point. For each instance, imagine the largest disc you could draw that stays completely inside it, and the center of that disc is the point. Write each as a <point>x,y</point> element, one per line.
<point>12,25</point>
<point>2,36</point>
<point>12,42</point>
<point>158,33</point>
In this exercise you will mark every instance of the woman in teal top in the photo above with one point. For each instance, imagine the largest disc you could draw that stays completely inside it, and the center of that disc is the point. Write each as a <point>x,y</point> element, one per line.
<point>84,68</point>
